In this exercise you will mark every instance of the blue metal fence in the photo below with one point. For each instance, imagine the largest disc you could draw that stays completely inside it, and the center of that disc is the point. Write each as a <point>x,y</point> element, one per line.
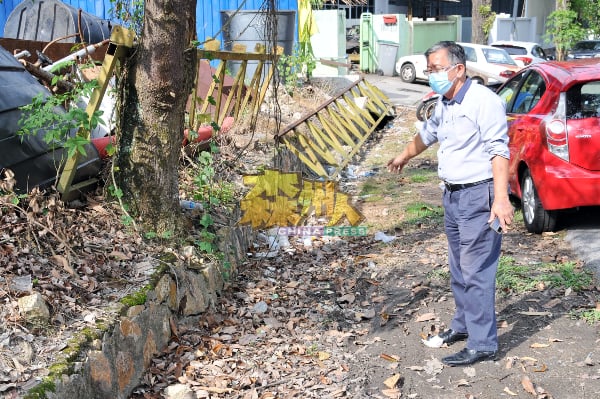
<point>208,15</point>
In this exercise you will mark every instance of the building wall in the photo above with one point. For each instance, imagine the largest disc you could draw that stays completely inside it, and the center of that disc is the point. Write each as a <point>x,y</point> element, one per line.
<point>540,9</point>
<point>208,15</point>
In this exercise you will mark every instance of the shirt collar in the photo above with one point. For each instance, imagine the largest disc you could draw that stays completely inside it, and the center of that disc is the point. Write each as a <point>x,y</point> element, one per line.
<point>460,96</point>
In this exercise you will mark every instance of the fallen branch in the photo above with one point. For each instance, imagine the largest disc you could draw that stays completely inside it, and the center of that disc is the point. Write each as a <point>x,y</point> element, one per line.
<point>61,84</point>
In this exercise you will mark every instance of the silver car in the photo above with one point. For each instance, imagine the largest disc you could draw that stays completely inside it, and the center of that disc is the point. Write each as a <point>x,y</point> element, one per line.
<point>524,53</point>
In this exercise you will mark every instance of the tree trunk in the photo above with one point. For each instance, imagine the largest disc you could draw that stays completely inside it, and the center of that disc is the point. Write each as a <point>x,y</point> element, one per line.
<point>155,93</point>
<point>477,33</point>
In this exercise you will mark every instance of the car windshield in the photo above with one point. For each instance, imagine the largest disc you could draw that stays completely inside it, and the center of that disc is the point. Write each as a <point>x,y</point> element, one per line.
<point>587,46</point>
<point>512,50</point>
<point>497,56</point>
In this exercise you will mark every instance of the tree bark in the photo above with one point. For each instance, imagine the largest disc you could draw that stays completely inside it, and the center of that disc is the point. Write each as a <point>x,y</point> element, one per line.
<point>477,34</point>
<point>155,92</point>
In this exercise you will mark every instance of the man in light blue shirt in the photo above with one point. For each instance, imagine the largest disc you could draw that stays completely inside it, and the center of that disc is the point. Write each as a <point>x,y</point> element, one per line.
<point>469,123</point>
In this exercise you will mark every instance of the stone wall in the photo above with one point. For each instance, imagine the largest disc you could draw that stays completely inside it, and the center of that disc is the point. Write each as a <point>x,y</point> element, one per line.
<point>113,366</point>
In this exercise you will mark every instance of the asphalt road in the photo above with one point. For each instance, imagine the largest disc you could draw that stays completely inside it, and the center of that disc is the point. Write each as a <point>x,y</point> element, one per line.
<point>399,93</point>
<point>582,226</point>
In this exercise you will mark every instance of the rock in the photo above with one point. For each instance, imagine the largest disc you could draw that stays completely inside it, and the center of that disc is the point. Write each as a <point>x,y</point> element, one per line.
<point>21,283</point>
<point>33,307</point>
<point>179,391</point>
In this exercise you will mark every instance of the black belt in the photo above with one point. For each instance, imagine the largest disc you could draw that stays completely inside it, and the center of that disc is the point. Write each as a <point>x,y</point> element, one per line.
<point>455,187</point>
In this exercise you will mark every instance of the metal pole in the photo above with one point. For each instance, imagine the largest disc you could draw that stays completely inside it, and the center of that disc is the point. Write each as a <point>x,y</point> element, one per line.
<point>513,31</point>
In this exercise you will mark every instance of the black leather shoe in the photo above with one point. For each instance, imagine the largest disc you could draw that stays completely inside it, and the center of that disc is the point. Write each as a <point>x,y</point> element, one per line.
<point>450,336</point>
<point>468,356</point>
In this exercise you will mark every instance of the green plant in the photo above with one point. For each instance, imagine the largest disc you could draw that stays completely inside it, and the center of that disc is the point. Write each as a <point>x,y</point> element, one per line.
<point>312,350</point>
<point>488,17</point>
<point>300,64</point>
<point>136,298</point>
<point>418,211</point>
<point>420,176</point>
<point>566,275</point>
<point>46,113</point>
<point>588,12</point>
<point>207,238</point>
<point>591,316</point>
<point>210,193</point>
<point>130,13</point>
<point>439,274</point>
<point>226,270</point>
<point>151,235</point>
<point>563,29</point>
<point>514,278</point>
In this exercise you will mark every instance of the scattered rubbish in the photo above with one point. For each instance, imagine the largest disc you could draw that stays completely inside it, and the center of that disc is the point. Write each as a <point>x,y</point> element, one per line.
<point>260,307</point>
<point>274,241</point>
<point>186,204</point>
<point>352,172</point>
<point>433,342</point>
<point>381,236</point>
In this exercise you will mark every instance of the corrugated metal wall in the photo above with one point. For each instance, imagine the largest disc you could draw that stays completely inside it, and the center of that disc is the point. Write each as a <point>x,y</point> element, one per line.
<point>208,13</point>
<point>208,21</point>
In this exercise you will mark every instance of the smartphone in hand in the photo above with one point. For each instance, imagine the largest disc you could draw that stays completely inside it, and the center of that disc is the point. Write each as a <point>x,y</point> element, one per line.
<point>495,225</point>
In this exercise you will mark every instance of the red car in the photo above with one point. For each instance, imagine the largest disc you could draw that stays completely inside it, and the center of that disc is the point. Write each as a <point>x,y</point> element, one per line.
<point>553,113</point>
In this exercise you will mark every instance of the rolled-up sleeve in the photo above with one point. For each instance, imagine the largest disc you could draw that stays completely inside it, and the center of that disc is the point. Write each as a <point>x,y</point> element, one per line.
<point>493,127</point>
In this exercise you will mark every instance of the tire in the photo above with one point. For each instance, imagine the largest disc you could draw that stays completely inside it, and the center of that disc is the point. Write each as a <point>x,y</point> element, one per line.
<point>537,220</point>
<point>408,73</point>
<point>478,80</point>
<point>425,109</point>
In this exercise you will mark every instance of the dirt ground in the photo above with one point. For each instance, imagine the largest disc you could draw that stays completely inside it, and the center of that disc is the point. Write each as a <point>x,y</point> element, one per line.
<point>344,317</point>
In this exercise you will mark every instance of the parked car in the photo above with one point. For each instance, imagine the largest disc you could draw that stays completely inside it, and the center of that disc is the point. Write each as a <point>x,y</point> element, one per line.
<point>553,111</point>
<point>524,53</point>
<point>488,65</point>
<point>411,67</point>
<point>584,49</point>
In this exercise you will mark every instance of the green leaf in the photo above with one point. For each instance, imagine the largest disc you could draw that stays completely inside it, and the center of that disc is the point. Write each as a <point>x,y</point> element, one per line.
<point>206,220</point>
<point>110,149</point>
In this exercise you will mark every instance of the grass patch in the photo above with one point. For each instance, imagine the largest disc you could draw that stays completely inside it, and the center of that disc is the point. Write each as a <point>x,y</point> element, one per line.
<point>518,217</point>
<point>373,190</point>
<point>373,186</point>
<point>420,215</point>
<point>421,176</point>
<point>513,278</point>
<point>590,316</point>
<point>419,212</point>
<point>517,279</point>
<point>440,273</point>
<point>568,275</point>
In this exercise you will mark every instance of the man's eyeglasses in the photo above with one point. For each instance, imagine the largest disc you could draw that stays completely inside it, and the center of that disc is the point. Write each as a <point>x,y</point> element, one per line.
<point>427,72</point>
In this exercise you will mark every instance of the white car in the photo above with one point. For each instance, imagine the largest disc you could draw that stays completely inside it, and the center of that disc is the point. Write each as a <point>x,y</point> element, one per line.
<point>486,65</point>
<point>524,53</point>
<point>411,67</point>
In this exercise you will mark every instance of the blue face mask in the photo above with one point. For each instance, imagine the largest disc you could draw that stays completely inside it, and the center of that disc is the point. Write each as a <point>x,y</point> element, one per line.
<point>439,82</point>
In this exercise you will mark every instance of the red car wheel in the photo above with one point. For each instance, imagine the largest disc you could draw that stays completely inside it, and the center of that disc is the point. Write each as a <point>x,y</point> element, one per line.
<point>536,218</point>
